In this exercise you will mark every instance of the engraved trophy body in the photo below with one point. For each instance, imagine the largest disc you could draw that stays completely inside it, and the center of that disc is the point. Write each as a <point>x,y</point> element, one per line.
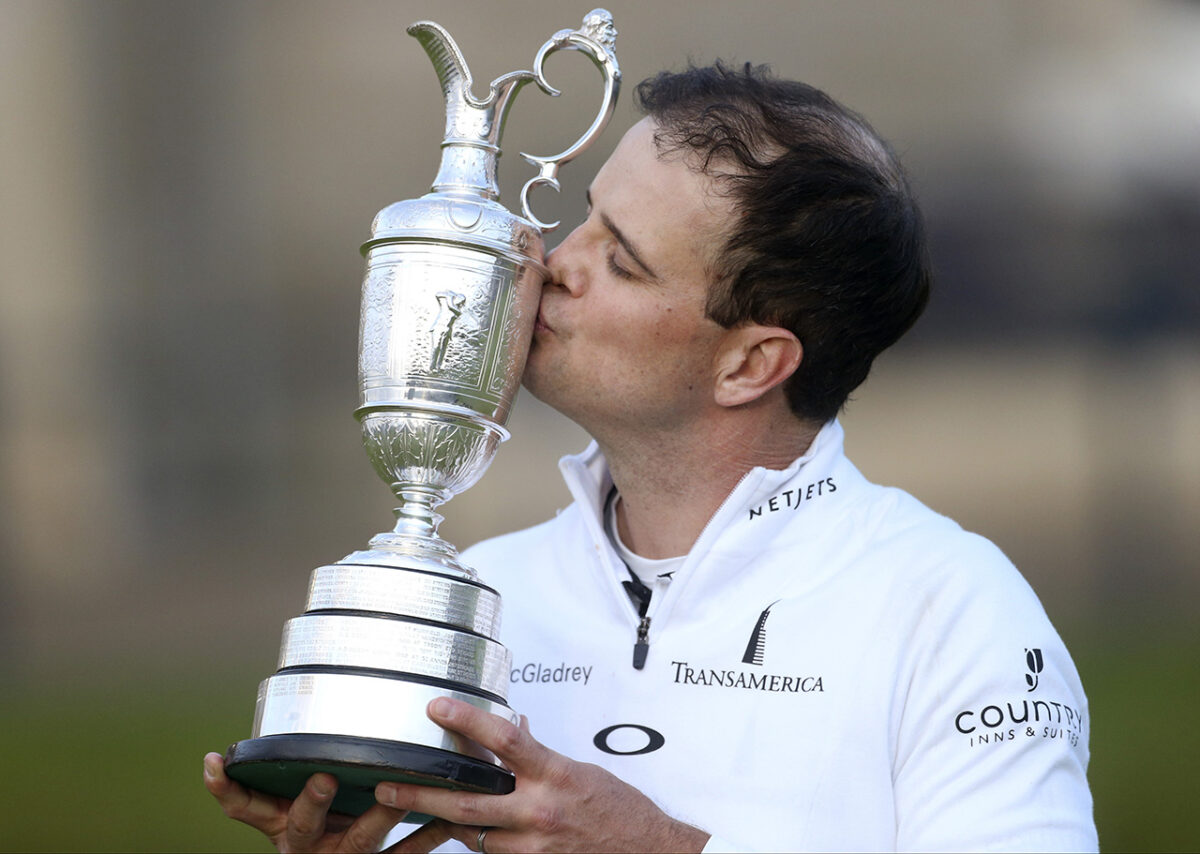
<point>449,300</point>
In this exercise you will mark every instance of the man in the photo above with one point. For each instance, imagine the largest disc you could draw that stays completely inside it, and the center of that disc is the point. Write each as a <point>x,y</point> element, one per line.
<point>731,640</point>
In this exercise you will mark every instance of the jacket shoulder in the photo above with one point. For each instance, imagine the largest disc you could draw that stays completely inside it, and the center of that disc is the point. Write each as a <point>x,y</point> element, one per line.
<point>917,540</point>
<point>496,557</point>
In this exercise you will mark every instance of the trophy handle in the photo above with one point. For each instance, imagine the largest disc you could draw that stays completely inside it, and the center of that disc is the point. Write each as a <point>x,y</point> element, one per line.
<point>596,38</point>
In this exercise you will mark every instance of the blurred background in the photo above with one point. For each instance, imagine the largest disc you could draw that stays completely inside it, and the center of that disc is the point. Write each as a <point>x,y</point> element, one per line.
<point>183,190</point>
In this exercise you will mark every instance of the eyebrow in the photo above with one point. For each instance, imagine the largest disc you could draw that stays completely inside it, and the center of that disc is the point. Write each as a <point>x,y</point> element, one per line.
<point>623,240</point>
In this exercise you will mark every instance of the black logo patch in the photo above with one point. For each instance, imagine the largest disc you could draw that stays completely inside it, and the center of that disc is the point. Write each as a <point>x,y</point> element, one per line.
<point>654,740</point>
<point>757,645</point>
<point>1033,660</point>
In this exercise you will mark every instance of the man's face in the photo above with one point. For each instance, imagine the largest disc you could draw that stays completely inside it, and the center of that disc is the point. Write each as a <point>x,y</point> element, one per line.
<point>621,339</point>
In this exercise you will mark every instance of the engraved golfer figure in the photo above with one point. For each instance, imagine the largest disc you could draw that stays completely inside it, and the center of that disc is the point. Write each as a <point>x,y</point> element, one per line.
<point>450,308</point>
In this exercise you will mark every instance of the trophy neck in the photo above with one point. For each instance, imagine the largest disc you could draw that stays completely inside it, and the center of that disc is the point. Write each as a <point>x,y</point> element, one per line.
<point>468,169</point>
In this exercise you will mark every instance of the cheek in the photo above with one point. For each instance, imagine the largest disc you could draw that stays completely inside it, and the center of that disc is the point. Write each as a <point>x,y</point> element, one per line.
<point>667,325</point>
<point>660,333</point>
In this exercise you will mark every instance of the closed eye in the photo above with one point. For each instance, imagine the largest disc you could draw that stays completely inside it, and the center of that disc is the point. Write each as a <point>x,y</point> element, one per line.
<point>625,243</point>
<point>616,269</point>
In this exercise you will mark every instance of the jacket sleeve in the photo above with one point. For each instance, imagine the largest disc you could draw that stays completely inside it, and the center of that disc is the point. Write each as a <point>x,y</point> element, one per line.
<point>991,724</point>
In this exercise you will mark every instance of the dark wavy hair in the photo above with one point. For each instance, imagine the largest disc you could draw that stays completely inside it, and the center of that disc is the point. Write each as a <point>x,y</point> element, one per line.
<point>829,242</point>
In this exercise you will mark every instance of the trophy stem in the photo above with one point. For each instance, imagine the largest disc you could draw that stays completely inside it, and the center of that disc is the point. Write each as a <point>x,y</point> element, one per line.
<point>415,535</point>
<point>416,516</point>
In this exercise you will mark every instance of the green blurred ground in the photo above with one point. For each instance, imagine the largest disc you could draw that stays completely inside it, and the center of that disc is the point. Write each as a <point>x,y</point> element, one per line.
<point>119,768</point>
<point>1143,692</point>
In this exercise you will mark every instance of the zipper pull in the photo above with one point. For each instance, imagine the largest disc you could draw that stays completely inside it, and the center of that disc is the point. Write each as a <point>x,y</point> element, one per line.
<point>642,648</point>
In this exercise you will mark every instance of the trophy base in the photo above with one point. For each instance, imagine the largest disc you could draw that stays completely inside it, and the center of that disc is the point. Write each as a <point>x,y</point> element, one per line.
<point>281,765</point>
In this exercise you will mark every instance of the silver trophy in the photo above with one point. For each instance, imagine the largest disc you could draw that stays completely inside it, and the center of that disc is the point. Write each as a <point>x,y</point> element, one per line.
<point>449,300</point>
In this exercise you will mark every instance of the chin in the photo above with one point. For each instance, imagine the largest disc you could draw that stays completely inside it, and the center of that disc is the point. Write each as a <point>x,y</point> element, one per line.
<point>533,382</point>
<point>552,394</point>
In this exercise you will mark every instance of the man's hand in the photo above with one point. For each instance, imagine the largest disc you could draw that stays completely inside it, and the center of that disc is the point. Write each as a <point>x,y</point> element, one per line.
<point>303,824</point>
<point>558,804</point>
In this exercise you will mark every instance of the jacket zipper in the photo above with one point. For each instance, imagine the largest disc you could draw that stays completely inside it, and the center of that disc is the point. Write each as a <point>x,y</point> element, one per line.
<point>640,595</point>
<point>642,647</point>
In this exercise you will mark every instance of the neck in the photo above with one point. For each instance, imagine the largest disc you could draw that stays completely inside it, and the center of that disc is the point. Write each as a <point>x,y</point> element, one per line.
<point>671,484</point>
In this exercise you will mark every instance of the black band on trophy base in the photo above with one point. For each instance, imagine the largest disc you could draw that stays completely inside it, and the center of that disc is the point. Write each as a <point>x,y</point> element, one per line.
<point>281,765</point>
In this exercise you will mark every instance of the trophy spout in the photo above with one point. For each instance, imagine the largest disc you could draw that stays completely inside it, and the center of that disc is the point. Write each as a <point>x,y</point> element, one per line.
<point>470,144</point>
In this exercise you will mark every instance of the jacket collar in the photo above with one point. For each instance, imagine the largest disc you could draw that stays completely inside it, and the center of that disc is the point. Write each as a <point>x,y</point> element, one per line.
<point>760,497</point>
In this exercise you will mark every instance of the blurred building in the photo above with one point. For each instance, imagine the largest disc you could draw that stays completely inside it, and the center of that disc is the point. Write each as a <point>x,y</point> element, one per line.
<point>183,187</point>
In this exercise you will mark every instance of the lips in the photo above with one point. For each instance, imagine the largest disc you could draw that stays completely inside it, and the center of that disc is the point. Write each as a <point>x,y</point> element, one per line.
<point>540,325</point>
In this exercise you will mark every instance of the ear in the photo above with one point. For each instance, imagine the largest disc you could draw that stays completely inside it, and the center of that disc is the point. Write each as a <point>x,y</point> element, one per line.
<point>753,360</point>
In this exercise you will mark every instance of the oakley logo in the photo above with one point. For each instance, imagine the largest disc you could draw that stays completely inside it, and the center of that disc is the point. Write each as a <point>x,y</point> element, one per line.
<point>628,743</point>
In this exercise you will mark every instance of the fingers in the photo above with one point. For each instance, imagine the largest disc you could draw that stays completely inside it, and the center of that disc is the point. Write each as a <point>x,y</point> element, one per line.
<point>371,828</point>
<point>438,832</point>
<point>425,838</point>
<point>262,812</point>
<point>468,834</point>
<point>465,808</point>
<point>303,824</point>
<point>309,822</point>
<point>306,818</point>
<point>514,746</point>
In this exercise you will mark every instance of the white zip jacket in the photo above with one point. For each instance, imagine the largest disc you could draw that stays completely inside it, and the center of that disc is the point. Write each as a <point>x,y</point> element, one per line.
<point>834,667</point>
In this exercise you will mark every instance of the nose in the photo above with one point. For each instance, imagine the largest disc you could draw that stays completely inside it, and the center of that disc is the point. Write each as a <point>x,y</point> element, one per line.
<point>565,262</point>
